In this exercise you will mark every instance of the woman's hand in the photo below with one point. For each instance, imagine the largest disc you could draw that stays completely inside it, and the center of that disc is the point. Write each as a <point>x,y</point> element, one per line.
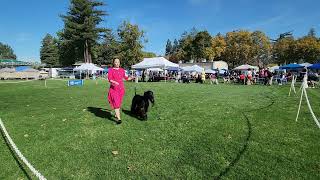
<point>114,82</point>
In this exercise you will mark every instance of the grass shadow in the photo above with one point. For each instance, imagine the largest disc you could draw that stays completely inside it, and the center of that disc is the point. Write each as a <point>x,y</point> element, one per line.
<point>101,113</point>
<point>127,112</point>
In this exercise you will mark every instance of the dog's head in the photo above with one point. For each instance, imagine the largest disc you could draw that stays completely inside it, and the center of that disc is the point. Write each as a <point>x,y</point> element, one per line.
<point>149,95</point>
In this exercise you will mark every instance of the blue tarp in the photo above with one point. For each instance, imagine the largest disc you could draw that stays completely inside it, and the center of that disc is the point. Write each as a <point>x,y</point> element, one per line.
<point>315,66</point>
<point>291,66</point>
<point>22,68</point>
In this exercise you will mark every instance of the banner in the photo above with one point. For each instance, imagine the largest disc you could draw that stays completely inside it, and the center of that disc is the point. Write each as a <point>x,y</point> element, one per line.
<point>76,82</point>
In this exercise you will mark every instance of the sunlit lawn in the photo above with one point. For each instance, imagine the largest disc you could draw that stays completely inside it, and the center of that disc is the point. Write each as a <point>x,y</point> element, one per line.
<point>194,131</point>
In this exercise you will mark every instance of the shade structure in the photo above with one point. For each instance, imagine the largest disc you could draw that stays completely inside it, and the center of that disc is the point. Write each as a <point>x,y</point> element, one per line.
<point>7,70</point>
<point>246,67</point>
<point>315,66</point>
<point>157,62</point>
<point>292,66</point>
<point>274,68</point>
<point>174,69</point>
<point>210,71</point>
<point>155,69</point>
<point>88,67</point>
<point>306,64</point>
<point>194,68</point>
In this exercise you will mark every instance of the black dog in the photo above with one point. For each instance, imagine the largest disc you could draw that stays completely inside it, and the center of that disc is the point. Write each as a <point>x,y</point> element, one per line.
<point>140,104</point>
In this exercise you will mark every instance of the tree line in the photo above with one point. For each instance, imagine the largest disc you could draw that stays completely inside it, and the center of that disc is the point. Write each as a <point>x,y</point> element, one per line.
<point>6,52</point>
<point>244,47</point>
<point>83,39</point>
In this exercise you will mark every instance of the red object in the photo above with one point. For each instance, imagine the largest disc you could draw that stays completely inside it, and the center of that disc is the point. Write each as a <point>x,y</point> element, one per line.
<point>116,92</point>
<point>242,76</point>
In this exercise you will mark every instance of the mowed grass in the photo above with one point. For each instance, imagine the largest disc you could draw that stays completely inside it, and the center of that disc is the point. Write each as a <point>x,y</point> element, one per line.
<point>194,131</point>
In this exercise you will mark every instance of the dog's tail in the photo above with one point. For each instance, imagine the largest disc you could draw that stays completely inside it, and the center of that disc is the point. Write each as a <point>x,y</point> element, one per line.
<point>135,90</point>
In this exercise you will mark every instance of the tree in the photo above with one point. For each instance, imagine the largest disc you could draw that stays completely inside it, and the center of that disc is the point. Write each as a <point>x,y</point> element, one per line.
<point>131,44</point>
<point>168,47</point>
<point>307,49</point>
<point>239,47</point>
<point>186,46</point>
<point>262,48</point>
<point>312,32</point>
<point>108,50</point>
<point>219,44</point>
<point>218,47</point>
<point>175,46</point>
<point>6,52</point>
<point>49,51</point>
<point>201,43</point>
<point>149,54</point>
<point>283,52</point>
<point>80,33</point>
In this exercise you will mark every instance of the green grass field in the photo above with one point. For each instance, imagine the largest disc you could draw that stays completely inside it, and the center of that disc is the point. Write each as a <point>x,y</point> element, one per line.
<point>194,131</point>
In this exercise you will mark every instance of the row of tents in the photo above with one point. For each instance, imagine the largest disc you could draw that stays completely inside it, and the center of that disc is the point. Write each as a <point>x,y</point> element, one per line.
<point>160,63</point>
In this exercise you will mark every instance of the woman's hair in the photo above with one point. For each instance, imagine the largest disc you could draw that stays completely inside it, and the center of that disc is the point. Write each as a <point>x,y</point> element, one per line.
<point>115,60</point>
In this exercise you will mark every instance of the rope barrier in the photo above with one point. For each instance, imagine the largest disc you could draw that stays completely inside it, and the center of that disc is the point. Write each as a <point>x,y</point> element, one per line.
<point>292,85</point>
<point>304,92</point>
<point>20,155</point>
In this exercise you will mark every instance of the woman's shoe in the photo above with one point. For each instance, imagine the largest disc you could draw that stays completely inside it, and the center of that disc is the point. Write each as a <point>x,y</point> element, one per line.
<point>118,121</point>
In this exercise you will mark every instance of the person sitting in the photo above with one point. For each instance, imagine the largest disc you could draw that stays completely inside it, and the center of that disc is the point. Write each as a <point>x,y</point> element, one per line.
<point>213,79</point>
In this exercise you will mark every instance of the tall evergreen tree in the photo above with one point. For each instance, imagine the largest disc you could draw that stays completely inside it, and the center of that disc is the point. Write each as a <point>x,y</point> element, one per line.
<point>108,50</point>
<point>131,44</point>
<point>49,52</point>
<point>201,42</point>
<point>312,32</point>
<point>175,46</point>
<point>81,31</point>
<point>6,52</point>
<point>168,47</point>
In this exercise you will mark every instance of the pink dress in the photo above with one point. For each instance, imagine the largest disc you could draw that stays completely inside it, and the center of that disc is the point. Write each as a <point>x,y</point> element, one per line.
<point>116,92</point>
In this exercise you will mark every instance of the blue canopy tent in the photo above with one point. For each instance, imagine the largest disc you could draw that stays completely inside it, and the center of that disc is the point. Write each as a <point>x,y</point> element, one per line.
<point>314,66</point>
<point>291,66</point>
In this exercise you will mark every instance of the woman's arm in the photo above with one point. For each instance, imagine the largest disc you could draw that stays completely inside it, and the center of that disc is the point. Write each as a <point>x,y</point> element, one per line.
<point>114,82</point>
<point>127,78</point>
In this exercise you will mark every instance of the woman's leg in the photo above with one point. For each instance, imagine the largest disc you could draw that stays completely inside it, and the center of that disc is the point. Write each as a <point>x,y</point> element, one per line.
<point>118,114</point>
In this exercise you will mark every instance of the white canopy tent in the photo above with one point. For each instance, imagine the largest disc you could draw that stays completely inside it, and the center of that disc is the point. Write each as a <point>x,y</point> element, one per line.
<point>157,62</point>
<point>306,64</point>
<point>246,67</point>
<point>88,67</point>
<point>7,70</point>
<point>210,71</point>
<point>155,69</point>
<point>274,68</point>
<point>194,68</point>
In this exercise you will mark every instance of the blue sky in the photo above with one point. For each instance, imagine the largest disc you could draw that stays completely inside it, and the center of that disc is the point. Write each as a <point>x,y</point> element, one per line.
<point>23,24</point>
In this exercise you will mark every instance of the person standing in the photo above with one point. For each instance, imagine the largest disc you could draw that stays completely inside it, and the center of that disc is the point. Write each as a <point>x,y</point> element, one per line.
<point>249,77</point>
<point>117,89</point>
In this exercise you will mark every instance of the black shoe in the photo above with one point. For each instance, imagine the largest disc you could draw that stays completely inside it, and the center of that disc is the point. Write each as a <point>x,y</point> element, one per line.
<point>118,121</point>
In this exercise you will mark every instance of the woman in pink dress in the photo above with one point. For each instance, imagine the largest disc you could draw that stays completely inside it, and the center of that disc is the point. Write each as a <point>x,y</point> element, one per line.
<point>117,89</point>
